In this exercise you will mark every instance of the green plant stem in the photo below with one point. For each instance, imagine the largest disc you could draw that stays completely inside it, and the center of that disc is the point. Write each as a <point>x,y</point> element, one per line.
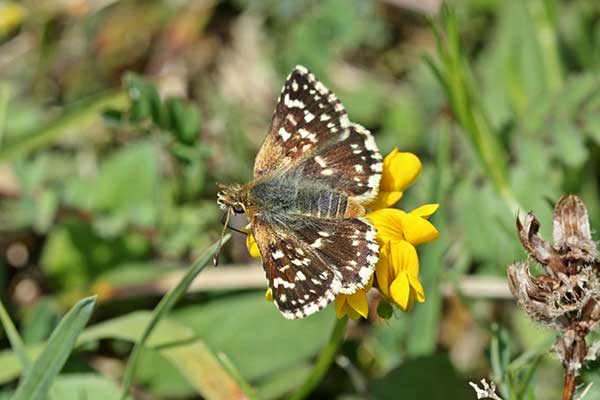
<point>162,309</point>
<point>324,361</point>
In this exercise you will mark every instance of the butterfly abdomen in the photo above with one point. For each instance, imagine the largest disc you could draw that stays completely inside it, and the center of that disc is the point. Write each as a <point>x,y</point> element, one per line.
<point>321,203</point>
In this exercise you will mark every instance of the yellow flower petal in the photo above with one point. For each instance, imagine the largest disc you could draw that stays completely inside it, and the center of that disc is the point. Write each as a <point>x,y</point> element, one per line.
<point>388,222</point>
<point>425,211</point>
<point>385,199</point>
<point>404,258</point>
<point>383,270</point>
<point>411,300</point>
<point>417,288</point>
<point>399,171</point>
<point>352,314</point>
<point>400,291</point>
<point>358,302</point>
<point>417,230</point>
<point>268,295</point>
<point>340,309</point>
<point>252,246</point>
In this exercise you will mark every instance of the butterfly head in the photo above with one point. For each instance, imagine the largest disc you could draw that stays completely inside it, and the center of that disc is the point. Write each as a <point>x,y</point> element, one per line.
<point>231,197</point>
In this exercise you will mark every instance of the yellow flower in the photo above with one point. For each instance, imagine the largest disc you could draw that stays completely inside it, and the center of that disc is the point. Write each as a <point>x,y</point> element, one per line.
<point>252,246</point>
<point>398,274</point>
<point>394,225</point>
<point>398,233</point>
<point>399,171</point>
<point>353,305</point>
<point>254,252</point>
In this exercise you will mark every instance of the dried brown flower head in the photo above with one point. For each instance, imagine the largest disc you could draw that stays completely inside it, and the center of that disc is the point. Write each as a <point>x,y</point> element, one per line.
<point>567,296</point>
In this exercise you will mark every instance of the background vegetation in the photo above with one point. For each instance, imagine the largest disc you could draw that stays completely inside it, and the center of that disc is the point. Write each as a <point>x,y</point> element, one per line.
<point>117,118</point>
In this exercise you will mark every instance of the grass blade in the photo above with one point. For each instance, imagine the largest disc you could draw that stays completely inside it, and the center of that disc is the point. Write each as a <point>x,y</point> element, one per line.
<point>163,308</point>
<point>15,339</point>
<point>75,117</point>
<point>37,382</point>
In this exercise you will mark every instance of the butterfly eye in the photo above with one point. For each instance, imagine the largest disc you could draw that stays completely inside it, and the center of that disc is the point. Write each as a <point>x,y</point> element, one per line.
<point>237,208</point>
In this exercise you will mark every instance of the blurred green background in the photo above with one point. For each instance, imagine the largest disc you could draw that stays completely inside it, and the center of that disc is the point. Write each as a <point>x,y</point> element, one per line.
<point>118,118</point>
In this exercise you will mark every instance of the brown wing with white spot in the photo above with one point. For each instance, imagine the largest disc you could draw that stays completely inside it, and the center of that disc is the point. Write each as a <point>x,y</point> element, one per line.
<point>309,261</point>
<point>352,165</point>
<point>307,117</point>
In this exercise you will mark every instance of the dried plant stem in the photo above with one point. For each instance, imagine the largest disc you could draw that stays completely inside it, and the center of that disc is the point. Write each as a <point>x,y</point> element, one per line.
<point>574,354</point>
<point>569,387</point>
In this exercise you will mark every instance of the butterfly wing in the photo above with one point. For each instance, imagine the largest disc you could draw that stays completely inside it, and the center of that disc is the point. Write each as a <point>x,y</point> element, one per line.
<point>311,137</point>
<point>309,261</point>
<point>308,116</point>
<point>352,165</point>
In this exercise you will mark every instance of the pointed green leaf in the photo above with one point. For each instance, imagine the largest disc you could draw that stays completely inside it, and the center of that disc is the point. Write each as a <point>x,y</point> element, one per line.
<point>37,382</point>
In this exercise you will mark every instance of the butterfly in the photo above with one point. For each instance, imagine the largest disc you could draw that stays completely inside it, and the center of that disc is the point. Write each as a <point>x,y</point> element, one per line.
<point>313,175</point>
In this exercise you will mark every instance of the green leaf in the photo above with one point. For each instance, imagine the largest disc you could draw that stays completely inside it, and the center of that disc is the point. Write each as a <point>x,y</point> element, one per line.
<point>37,382</point>
<point>568,144</point>
<point>15,339</point>
<point>173,341</point>
<point>128,183</point>
<point>146,102</point>
<point>160,377</point>
<point>39,321</point>
<point>275,343</point>
<point>279,384</point>
<point>413,380</point>
<point>75,255</point>
<point>592,127</point>
<point>184,120</point>
<point>84,387</point>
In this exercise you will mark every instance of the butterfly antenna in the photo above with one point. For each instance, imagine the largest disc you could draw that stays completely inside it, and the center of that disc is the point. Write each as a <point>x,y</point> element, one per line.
<point>220,243</point>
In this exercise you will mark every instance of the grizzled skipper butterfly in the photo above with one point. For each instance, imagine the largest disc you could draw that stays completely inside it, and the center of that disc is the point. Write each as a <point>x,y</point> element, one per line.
<point>312,176</point>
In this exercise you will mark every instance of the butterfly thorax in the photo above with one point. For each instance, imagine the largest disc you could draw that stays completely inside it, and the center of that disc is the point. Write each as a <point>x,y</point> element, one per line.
<point>289,195</point>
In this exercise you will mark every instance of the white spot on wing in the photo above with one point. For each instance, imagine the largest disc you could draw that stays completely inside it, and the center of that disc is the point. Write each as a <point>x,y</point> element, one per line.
<point>365,273</point>
<point>300,276</point>
<point>282,282</point>
<point>289,103</point>
<point>317,244</point>
<point>277,254</point>
<point>303,133</point>
<point>321,161</point>
<point>285,135</point>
